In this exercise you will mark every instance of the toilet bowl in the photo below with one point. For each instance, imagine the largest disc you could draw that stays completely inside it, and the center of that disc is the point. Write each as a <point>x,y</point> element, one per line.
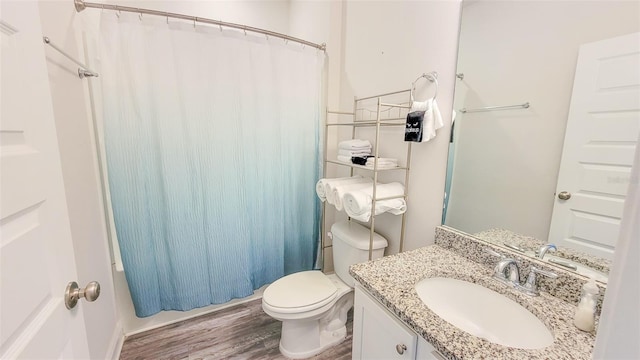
<point>312,305</point>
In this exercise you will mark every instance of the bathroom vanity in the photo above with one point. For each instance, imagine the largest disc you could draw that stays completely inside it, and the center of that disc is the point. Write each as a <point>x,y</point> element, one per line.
<point>392,322</point>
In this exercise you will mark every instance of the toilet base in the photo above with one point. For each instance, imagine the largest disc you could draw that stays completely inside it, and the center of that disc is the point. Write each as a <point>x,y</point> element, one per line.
<point>328,339</point>
<point>304,338</point>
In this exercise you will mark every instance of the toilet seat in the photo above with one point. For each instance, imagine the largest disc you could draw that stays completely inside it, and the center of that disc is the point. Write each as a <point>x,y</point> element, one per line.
<point>300,292</point>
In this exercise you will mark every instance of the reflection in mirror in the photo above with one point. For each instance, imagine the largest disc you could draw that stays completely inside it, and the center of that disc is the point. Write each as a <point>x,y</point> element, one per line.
<point>506,164</point>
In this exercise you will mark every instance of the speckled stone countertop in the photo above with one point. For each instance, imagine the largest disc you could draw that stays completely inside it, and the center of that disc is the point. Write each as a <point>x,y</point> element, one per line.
<point>531,245</point>
<point>392,281</point>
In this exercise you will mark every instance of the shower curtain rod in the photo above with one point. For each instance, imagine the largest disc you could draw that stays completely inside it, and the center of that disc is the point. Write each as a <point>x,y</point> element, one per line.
<point>81,5</point>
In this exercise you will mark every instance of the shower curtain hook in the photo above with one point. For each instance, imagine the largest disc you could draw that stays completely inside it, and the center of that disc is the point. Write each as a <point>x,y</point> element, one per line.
<point>167,19</point>
<point>118,14</point>
<point>220,25</point>
<point>140,16</point>
<point>194,23</point>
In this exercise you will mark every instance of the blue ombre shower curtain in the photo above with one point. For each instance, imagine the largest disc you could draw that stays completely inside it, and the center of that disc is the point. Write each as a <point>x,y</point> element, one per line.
<point>212,144</point>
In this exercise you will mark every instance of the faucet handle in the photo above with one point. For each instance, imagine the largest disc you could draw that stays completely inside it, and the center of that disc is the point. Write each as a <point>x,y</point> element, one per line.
<point>530,286</point>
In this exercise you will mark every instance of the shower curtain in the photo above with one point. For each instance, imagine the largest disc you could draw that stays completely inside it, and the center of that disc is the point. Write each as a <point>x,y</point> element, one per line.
<point>212,144</point>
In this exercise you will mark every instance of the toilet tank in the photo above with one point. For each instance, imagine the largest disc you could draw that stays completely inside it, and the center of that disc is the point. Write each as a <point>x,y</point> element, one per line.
<point>351,246</point>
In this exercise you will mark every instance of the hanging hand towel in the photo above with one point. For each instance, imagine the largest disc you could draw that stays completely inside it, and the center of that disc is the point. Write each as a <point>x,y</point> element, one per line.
<point>422,121</point>
<point>357,203</point>
<point>355,144</point>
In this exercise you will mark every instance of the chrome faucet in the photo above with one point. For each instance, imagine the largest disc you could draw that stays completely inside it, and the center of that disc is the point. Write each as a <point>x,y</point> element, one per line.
<point>507,271</point>
<point>543,250</point>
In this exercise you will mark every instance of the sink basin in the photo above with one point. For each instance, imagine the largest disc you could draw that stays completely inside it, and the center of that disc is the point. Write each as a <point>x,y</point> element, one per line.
<point>484,313</point>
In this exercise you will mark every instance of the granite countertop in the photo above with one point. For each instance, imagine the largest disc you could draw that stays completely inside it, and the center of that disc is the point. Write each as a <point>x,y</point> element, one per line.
<point>391,280</point>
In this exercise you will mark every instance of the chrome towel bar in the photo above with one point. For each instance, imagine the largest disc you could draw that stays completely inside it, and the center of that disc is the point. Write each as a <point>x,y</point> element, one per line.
<point>83,71</point>
<point>491,108</point>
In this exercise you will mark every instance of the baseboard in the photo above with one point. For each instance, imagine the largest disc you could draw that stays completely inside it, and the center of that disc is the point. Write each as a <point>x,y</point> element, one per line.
<point>195,313</point>
<point>115,345</point>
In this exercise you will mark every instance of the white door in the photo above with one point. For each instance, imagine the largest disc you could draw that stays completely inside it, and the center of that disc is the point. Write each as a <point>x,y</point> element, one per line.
<point>601,136</point>
<point>36,254</point>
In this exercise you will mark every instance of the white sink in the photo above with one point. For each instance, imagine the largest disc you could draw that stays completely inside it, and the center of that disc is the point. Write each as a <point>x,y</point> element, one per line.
<point>484,313</point>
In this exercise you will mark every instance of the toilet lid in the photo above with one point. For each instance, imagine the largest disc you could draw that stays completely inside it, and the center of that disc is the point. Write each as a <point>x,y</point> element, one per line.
<point>302,289</point>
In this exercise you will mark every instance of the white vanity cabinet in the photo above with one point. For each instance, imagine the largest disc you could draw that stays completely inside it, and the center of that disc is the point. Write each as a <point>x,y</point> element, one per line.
<point>378,334</point>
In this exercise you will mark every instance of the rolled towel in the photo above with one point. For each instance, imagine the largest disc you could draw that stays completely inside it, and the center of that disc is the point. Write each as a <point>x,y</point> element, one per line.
<point>321,187</point>
<point>338,191</point>
<point>352,153</point>
<point>354,144</point>
<point>320,190</point>
<point>357,203</point>
<point>330,186</point>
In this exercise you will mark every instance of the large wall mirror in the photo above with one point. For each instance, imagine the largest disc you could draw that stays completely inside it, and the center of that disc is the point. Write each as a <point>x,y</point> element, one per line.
<point>541,153</point>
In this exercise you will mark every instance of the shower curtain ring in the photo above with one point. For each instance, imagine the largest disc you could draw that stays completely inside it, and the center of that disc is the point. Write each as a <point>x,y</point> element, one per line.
<point>220,25</point>
<point>194,23</point>
<point>140,16</point>
<point>118,14</point>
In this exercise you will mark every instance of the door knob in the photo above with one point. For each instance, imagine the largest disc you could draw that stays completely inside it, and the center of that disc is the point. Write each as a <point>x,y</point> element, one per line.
<point>73,293</point>
<point>400,348</point>
<point>564,195</point>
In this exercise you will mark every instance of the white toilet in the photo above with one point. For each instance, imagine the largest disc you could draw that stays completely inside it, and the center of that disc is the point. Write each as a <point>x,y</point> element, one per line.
<point>313,306</point>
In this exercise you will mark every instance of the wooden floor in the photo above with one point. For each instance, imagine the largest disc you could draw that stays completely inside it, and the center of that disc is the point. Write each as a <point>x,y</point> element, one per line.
<point>240,332</point>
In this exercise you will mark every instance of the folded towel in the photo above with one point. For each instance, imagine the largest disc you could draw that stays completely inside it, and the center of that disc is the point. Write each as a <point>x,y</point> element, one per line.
<point>371,161</point>
<point>354,144</point>
<point>344,159</point>
<point>341,189</point>
<point>422,121</point>
<point>352,153</point>
<point>331,185</point>
<point>357,203</point>
<point>382,166</point>
<point>383,163</point>
<point>321,189</point>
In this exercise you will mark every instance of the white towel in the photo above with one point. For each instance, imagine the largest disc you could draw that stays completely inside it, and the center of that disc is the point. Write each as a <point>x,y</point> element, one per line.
<point>371,161</point>
<point>341,189</point>
<point>330,186</point>
<point>383,163</point>
<point>350,153</point>
<point>432,119</point>
<point>357,203</point>
<point>321,189</point>
<point>382,166</point>
<point>345,159</point>
<point>354,144</point>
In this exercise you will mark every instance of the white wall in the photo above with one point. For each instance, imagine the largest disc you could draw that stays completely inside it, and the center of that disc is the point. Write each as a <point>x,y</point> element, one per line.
<point>507,162</point>
<point>82,187</point>
<point>386,46</point>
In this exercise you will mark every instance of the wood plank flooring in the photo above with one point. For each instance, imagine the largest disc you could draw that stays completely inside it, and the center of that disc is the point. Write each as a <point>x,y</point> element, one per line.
<point>243,332</point>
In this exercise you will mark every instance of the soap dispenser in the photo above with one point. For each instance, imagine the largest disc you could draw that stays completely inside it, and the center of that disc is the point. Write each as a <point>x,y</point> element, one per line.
<point>585,316</point>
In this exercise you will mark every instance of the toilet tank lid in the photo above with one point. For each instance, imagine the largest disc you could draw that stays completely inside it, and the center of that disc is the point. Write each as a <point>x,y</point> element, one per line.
<point>357,235</point>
